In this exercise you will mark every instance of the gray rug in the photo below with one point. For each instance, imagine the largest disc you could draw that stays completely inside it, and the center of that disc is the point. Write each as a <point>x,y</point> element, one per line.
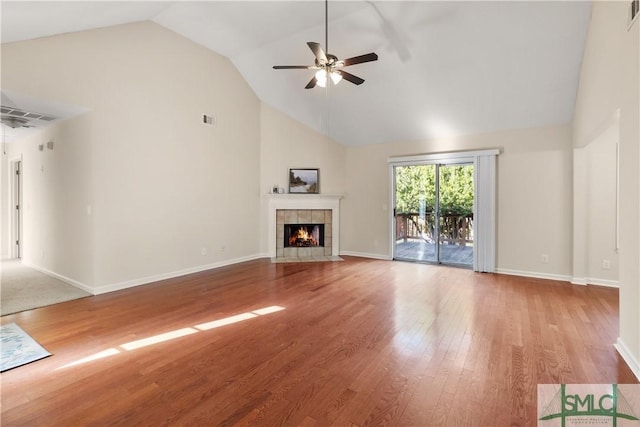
<point>22,288</point>
<point>18,348</point>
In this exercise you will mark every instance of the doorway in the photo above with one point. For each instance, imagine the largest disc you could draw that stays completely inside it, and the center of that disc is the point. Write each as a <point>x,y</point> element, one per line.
<point>16,208</point>
<point>434,212</point>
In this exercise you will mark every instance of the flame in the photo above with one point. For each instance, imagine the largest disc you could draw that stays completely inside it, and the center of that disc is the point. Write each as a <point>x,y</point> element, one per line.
<point>302,235</point>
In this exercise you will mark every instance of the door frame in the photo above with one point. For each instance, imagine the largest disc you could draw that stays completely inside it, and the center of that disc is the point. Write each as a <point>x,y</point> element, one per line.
<point>15,193</point>
<point>484,231</point>
<point>458,161</point>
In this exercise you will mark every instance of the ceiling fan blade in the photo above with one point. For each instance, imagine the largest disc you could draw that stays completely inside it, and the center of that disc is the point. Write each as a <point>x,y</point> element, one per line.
<point>311,83</point>
<point>360,59</point>
<point>294,67</point>
<point>318,52</point>
<point>350,77</point>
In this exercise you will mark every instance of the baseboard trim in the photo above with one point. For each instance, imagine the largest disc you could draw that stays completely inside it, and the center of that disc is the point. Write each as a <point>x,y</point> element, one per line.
<point>534,275</point>
<point>628,357</point>
<point>603,282</point>
<point>157,277</point>
<point>593,281</point>
<point>60,277</point>
<point>366,255</point>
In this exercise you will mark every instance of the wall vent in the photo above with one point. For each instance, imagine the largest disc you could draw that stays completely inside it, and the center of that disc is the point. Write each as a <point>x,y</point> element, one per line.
<point>208,120</point>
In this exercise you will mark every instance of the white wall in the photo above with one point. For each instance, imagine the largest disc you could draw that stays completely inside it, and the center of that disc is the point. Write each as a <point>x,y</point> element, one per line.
<point>609,80</point>
<point>5,211</point>
<point>287,143</point>
<point>601,208</point>
<point>56,185</point>
<point>160,185</point>
<point>534,209</point>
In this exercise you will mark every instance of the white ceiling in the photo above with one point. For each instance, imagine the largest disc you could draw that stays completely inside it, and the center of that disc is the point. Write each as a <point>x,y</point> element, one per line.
<point>445,68</point>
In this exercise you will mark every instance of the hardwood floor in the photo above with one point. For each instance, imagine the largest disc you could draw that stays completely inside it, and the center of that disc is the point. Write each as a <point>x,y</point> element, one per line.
<point>359,342</point>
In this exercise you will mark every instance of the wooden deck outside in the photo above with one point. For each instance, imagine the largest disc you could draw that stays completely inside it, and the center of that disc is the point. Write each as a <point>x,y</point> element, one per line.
<point>416,238</point>
<point>419,250</point>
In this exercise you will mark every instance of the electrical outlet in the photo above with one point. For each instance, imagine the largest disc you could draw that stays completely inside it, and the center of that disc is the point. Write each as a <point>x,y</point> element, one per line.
<point>203,251</point>
<point>606,264</point>
<point>544,258</point>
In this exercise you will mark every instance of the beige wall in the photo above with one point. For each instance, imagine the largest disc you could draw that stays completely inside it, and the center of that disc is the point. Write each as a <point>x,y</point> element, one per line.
<point>287,143</point>
<point>609,81</point>
<point>56,187</point>
<point>160,185</point>
<point>5,211</point>
<point>534,185</point>
<point>595,210</point>
<point>601,208</point>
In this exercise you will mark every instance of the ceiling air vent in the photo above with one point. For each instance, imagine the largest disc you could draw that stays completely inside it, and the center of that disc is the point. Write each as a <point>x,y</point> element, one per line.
<point>16,118</point>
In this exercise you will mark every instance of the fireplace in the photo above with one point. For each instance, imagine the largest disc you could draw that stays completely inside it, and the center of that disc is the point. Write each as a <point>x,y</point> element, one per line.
<point>303,209</point>
<point>303,235</point>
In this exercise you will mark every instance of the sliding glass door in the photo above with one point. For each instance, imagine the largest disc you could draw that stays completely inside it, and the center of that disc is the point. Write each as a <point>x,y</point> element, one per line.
<point>433,213</point>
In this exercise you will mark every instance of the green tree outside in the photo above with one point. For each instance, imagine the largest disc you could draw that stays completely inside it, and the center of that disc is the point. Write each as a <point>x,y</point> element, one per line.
<point>418,183</point>
<point>416,201</point>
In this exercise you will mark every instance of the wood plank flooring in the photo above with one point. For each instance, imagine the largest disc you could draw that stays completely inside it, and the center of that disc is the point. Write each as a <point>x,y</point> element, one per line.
<point>354,343</point>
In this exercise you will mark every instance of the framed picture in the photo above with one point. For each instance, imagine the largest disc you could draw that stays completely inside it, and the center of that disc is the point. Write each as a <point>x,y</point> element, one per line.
<point>304,181</point>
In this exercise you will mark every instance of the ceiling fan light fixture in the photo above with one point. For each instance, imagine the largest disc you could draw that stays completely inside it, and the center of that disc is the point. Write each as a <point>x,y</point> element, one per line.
<point>321,78</point>
<point>327,63</point>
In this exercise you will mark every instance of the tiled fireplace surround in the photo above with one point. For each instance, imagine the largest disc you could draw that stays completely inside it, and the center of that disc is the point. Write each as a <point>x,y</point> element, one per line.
<point>303,209</point>
<point>303,216</point>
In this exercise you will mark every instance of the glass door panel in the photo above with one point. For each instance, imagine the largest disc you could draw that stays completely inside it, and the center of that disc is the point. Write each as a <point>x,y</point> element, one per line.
<point>455,215</point>
<point>434,213</point>
<point>415,209</point>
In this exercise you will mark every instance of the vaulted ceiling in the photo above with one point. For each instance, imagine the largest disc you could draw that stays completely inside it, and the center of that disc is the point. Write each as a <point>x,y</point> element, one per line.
<point>444,68</point>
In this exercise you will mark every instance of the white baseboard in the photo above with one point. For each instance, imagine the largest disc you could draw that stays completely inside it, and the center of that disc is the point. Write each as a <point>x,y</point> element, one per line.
<point>595,281</point>
<point>366,255</point>
<point>60,277</point>
<point>628,357</point>
<point>603,282</point>
<point>534,274</point>
<point>157,277</point>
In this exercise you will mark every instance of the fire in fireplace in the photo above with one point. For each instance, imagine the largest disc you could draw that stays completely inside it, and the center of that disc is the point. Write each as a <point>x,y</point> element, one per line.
<point>303,235</point>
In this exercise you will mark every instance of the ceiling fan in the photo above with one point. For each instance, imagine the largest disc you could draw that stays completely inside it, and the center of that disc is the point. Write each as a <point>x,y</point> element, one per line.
<point>329,65</point>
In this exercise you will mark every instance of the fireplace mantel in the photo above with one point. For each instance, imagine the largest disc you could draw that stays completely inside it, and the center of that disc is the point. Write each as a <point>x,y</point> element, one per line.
<point>303,201</point>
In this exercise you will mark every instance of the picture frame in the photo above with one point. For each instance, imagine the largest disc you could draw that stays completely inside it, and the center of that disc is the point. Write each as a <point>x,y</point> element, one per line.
<point>304,181</point>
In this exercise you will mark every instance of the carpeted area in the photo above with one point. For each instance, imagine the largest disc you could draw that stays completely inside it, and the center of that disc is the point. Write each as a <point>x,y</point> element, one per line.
<point>22,288</point>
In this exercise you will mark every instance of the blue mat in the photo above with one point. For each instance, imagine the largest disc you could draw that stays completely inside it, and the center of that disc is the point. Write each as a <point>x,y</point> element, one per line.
<point>18,348</point>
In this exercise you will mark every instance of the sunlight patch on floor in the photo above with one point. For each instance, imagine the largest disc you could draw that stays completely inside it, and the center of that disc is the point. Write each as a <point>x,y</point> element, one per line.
<point>156,339</point>
<point>178,333</point>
